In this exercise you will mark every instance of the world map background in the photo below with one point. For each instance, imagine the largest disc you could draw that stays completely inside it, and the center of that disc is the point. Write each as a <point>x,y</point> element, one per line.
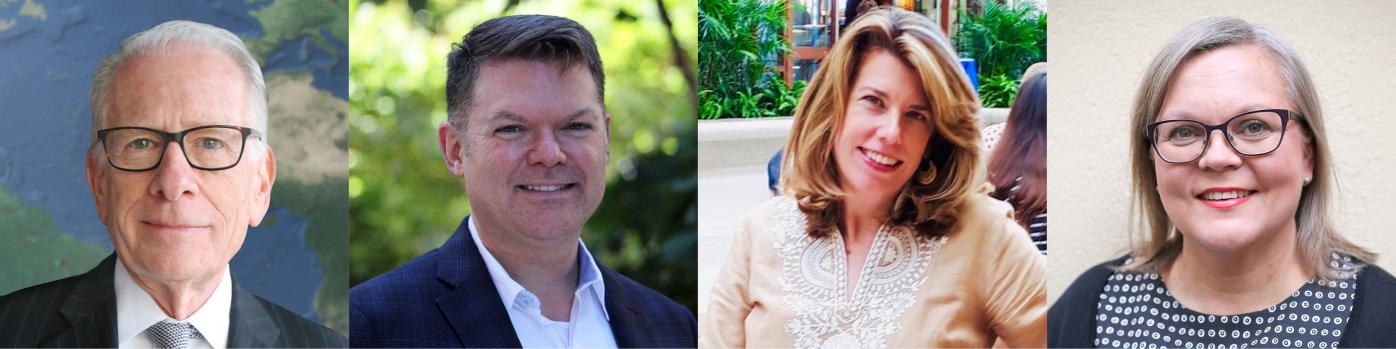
<point>297,258</point>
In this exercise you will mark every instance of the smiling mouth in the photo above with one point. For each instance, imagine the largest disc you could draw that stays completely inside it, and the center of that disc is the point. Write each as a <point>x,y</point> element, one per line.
<point>1225,195</point>
<point>1225,198</point>
<point>879,158</point>
<point>547,188</point>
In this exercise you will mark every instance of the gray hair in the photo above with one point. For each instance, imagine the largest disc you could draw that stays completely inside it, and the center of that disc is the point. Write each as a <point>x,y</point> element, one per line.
<point>159,38</point>
<point>1317,239</point>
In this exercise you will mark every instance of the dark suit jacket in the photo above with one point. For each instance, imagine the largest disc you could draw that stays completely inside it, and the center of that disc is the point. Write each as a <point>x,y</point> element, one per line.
<point>445,298</point>
<point>80,311</point>
<point>1072,320</point>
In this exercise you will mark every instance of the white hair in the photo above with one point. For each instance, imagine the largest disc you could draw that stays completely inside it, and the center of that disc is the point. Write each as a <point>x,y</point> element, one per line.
<point>157,39</point>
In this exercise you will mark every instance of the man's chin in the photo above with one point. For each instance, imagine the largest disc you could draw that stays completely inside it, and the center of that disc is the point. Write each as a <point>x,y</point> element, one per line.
<point>167,269</point>
<point>549,229</point>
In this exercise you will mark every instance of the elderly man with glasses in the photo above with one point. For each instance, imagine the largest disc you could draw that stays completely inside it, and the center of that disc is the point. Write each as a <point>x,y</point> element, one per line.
<point>179,169</point>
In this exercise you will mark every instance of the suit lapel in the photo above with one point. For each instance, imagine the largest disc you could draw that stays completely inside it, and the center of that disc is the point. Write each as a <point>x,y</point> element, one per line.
<point>90,310</point>
<point>251,326</point>
<point>473,306</point>
<point>626,319</point>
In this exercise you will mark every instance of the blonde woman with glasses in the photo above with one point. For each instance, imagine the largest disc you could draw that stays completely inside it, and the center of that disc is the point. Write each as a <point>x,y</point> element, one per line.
<point>882,237</point>
<point>1232,185</point>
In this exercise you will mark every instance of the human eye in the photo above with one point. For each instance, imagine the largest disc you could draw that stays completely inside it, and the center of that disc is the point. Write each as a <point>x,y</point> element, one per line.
<point>1254,128</point>
<point>579,126</point>
<point>210,143</point>
<point>871,101</point>
<point>511,131</point>
<point>918,116</point>
<point>1184,133</point>
<point>141,143</point>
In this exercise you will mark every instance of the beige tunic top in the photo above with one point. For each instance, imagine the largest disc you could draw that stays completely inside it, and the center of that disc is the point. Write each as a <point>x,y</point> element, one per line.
<point>781,288</point>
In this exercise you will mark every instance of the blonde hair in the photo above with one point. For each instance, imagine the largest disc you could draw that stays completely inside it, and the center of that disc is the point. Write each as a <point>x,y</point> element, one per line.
<point>812,177</point>
<point>1317,240</point>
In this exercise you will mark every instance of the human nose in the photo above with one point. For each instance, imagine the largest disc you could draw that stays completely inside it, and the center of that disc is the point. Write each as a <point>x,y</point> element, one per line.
<point>546,151</point>
<point>174,177</point>
<point>890,130</point>
<point>1220,158</point>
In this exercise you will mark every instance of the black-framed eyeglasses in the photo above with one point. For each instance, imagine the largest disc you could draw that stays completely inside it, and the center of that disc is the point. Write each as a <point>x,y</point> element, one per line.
<point>208,148</point>
<point>1252,133</point>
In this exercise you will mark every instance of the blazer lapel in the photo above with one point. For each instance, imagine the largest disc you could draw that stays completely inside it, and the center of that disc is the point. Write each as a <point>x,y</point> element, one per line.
<point>250,324</point>
<point>627,322</point>
<point>90,310</point>
<point>473,306</point>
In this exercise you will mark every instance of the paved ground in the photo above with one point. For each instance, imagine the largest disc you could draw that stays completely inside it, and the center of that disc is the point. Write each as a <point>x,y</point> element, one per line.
<point>732,160</point>
<point>721,202</point>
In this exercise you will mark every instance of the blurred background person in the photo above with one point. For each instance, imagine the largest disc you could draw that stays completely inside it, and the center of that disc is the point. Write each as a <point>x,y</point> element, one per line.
<point>1018,162</point>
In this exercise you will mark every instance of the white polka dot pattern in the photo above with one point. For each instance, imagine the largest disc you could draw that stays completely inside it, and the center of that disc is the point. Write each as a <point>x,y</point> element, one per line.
<point>1137,311</point>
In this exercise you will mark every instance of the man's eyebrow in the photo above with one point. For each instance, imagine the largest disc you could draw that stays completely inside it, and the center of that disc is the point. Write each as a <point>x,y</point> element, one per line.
<point>508,115</point>
<point>505,114</point>
<point>580,113</point>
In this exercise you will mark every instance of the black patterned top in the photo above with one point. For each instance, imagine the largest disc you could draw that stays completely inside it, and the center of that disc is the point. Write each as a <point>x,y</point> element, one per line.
<point>1136,310</point>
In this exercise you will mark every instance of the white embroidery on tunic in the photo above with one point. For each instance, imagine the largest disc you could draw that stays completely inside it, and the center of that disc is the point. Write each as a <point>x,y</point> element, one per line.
<point>813,277</point>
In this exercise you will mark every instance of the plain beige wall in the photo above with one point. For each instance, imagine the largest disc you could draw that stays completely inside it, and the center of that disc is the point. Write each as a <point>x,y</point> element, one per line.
<point>1099,49</point>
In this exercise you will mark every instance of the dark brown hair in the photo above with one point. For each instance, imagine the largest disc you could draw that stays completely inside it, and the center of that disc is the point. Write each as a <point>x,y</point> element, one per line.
<point>529,37</point>
<point>1018,164</point>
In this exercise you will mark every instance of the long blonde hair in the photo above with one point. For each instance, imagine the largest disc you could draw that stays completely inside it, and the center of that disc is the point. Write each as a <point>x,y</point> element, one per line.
<point>1317,239</point>
<point>812,177</point>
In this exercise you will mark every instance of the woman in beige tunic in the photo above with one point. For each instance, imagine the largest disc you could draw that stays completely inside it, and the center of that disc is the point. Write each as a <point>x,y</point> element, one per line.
<point>883,237</point>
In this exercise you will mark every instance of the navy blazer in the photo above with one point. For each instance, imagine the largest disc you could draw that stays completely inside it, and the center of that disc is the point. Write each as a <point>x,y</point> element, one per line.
<point>445,298</point>
<point>80,312</point>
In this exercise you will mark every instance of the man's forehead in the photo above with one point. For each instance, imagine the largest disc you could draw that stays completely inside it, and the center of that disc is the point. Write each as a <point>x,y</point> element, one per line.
<point>524,90</point>
<point>182,85</point>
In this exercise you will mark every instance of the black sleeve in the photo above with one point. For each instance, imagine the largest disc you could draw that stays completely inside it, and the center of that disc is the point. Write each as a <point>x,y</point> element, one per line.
<point>1371,324</point>
<point>1071,320</point>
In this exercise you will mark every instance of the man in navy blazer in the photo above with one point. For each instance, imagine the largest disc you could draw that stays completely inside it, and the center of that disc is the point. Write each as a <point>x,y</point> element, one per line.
<point>528,131</point>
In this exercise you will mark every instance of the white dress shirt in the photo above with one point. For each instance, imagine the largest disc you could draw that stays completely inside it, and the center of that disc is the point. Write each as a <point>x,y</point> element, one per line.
<point>136,311</point>
<point>589,324</point>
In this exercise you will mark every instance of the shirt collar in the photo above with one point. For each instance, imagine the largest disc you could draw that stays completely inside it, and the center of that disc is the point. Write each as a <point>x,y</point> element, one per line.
<point>136,310</point>
<point>588,275</point>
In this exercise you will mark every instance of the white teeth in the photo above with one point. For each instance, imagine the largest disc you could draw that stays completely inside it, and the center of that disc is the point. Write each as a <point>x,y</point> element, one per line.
<point>1226,195</point>
<point>880,159</point>
<point>543,187</point>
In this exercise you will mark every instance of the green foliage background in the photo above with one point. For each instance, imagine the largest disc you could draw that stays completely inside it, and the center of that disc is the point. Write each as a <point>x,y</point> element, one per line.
<point>737,39</point>
<point>1004,40</point>
<point>404,202</point>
